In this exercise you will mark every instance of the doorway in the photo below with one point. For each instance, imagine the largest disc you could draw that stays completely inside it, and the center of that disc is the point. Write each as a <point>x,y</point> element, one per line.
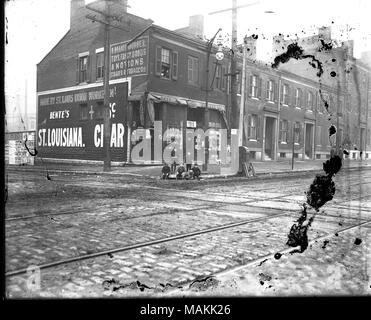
<point>269,138</point>
<point>308,141</point>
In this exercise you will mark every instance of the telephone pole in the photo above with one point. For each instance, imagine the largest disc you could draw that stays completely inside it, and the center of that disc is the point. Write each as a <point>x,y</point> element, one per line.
<point>106,114</point>
<point>106,111</point>
<point>233,74</point>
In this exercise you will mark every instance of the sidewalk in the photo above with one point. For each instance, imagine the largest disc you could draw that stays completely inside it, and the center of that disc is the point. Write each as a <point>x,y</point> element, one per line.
<point>262,168</point>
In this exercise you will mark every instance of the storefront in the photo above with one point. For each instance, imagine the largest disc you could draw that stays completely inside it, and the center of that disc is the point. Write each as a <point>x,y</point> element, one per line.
<point>177,116</point>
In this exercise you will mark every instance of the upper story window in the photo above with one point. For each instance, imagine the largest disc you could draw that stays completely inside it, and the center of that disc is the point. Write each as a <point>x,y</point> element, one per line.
<point>100,64</point>
<point>166,63</point>
<point>285,94</point>
<point>310,100</point>
<point>83,68</point>
<point>254,86</point>
<point>270,90</point>
<point>193,70</point>
<point>298,96</point>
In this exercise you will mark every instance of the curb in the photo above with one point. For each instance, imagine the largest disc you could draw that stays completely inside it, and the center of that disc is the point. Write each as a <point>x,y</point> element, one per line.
<point>262,175</point>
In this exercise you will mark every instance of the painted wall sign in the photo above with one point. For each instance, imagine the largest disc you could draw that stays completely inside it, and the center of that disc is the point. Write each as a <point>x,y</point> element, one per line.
<point>129,60</point>
<point>70,125</point>
<point>15,150</point>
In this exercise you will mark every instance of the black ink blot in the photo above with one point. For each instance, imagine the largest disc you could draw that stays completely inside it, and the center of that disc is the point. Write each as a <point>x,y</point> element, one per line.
<point>358,241</point>
<point>325,243</point>
<point>277,255</point>
<point>332,130</point>
<point>332,166</point>
<point>333,74</point>
<point>296,52</point>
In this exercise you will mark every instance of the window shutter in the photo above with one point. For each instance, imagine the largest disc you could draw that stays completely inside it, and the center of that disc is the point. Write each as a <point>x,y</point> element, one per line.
<point>293,97</point>
<point>258,133</point>
<point>267,90</point>
<point>301,136</point>
<point>250,86</point>
<point>223,78</point>
<point>260,83</point>
<point>305,99</point>
<point>249,126</point>
<point>77,70</point>
<point>158,60</point>
<point>175,65</point>
<point>275,95</point>
<point>280,131</point>
<point>281,90</point>
<point>88,69</point>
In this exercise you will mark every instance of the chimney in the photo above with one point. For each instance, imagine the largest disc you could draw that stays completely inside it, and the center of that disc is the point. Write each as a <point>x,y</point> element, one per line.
<point>75,13</point>
<point>324,33</point>
<point>196,25</point>
<point>251,46</point>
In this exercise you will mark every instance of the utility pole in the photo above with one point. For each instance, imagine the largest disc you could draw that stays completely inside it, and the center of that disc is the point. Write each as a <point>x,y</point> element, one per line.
<point>106,112</point>
<point>233,73</point>
<point>242,102</point>
<point>207,89</point>
<point>233,65</point>
<point>293,146</point>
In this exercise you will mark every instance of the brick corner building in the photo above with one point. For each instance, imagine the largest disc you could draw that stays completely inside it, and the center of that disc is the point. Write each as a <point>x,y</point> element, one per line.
<point>161,76</point>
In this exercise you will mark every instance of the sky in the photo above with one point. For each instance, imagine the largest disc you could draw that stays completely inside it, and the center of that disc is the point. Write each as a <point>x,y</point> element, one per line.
<point>33,27</point>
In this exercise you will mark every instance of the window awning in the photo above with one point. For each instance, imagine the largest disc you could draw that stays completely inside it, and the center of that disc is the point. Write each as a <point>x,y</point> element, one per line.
<point>183,101</point>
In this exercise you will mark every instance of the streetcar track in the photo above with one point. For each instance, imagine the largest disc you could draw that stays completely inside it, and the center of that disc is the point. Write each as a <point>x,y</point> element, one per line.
<point>182,236</point>
<point>288,250</point>
<point>250,200</point>
<point>148,243</point>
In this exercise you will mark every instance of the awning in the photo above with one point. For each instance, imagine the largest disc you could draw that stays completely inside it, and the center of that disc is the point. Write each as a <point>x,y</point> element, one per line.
<point>184,101</point>
<point>135,97</point>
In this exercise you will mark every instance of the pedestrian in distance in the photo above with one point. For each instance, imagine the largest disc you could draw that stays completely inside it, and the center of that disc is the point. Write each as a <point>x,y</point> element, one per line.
<point>165,172</point>
<point>180,170</point>
<point>196,172</point>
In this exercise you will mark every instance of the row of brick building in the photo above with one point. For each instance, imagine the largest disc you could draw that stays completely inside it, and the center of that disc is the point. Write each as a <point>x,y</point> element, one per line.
<point>161,76</point>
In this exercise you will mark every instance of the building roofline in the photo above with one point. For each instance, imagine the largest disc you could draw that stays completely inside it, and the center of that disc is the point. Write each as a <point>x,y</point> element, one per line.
<point>54,47</point>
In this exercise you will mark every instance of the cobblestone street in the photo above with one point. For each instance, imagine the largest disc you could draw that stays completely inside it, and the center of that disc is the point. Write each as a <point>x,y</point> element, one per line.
<point>96,235</point>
